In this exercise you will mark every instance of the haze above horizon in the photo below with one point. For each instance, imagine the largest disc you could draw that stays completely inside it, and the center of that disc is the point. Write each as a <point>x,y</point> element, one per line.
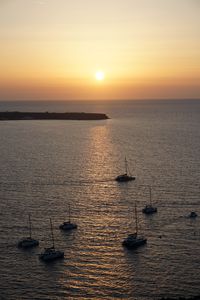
<point>69,50</point>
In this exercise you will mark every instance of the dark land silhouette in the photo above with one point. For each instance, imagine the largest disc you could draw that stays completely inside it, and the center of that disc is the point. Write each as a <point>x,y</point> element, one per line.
<point>16,115</point>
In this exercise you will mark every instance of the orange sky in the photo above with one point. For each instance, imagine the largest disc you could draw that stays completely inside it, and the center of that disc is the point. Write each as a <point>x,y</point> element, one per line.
<point>51,49</point>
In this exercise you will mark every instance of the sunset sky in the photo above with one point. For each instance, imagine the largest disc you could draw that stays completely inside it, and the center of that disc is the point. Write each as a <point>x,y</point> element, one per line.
<point>52,49</point>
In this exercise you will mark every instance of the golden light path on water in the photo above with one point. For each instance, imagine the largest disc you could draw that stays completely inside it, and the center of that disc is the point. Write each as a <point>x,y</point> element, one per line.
<point>47,165</point>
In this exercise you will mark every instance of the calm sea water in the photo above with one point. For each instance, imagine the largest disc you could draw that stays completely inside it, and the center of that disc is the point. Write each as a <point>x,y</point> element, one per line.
<point>45,165</point>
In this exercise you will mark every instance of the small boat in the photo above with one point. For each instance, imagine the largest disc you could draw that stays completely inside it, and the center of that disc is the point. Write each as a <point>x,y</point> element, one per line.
<point>51,253</point>
<point>134,241</point>
<point>126,176</point>
<point>28,242</point>
<point>149,209</point>
<point>193,215</point>
<point>68,225</point>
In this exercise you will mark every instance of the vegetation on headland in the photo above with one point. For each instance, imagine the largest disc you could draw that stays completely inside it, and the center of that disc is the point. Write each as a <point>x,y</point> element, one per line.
<point>16,115</point>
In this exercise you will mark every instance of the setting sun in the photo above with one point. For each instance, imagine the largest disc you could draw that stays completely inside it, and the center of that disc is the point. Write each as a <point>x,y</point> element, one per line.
<point>142,49</point>
<point>100,75</point>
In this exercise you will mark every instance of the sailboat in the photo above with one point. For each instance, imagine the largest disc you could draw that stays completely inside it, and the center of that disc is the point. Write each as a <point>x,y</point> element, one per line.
<point>68,225</point>
<point>134,241</point>
<point>28,242</point>
<point>51,253</point>
<point>126,176</point>
<point>149,209</point>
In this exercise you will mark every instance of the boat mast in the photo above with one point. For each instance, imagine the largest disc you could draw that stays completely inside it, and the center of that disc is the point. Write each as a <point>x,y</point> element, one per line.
<point>136,220</point>
<point>150,194</point>
<point>126,167</point>
<point>52,233</point>
<point>69,214</point>
<point>29,220</point>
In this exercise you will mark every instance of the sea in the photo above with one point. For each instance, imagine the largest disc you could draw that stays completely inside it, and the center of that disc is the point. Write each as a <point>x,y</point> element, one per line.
<point>49,166</point>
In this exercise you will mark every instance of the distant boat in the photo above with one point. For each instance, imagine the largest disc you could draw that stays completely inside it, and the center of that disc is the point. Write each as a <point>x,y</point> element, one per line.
<point>149,209</point>
<point>133,241</point>
<point>51,253</point>
<point>68,225</point>
<point>126,176</point>
<point>193,215</point>
<point>28,242</point>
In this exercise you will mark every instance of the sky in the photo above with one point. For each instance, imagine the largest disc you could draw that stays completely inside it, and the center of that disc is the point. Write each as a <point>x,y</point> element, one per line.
<point>147,49</point>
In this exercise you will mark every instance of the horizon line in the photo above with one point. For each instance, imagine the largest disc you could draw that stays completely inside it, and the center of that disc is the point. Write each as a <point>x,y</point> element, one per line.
<point>74,100</point>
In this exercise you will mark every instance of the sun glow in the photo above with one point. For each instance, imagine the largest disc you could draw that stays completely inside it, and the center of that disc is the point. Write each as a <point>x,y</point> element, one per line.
<point>99,75</point>
<point>103,54</point>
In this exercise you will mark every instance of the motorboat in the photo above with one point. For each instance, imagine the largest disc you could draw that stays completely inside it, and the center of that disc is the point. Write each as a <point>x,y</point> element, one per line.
<point>28,242</point>
<point>126,176</point>
<point>149,209</point>
<point>193,215</point>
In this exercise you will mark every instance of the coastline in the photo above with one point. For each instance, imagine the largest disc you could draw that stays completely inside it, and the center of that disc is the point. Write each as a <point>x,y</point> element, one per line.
<point>16,115</point>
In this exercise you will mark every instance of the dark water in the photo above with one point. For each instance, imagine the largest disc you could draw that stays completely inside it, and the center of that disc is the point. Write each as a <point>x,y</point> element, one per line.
<point>47,164</point>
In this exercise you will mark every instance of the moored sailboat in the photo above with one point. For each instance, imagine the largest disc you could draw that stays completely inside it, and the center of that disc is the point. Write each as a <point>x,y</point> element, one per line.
<point>68,225</point>
<point>28,242</point>
<point>51,253</point>
<point>126,176</point>
<point>149,208</point>
<point>134,241</point>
